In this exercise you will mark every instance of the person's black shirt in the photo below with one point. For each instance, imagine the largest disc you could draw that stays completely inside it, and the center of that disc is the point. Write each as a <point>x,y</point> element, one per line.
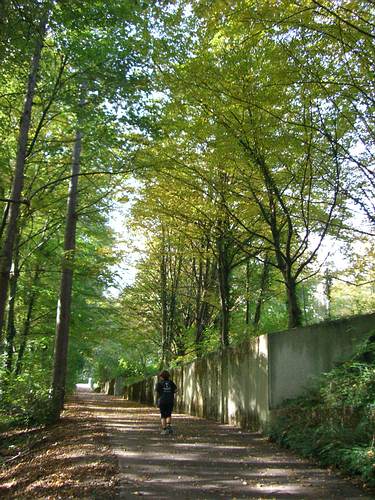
<point>166,390</point>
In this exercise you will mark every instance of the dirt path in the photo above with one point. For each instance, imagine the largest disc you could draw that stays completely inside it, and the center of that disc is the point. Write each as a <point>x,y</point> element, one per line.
<point>205,460</point>
<point>106,448</point>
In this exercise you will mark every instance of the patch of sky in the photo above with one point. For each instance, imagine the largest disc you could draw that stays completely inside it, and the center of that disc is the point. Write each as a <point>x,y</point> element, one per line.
<point>130,242</point>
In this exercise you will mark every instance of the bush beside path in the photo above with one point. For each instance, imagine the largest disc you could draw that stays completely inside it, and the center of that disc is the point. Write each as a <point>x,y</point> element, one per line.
<point>106,447</point>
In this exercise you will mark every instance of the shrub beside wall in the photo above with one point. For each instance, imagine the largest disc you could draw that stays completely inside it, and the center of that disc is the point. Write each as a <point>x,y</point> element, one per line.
<point>335,422</point>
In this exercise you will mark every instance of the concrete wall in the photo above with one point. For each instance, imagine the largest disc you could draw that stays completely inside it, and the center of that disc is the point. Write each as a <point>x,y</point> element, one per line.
<point>230,386</point>
<point>298,356</point>
<point>109,387</point>
<point>118,386</point>
<point>243,385</point>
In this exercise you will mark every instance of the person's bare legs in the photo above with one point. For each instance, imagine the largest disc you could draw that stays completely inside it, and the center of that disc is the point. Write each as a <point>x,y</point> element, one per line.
<point>165,421</point>
<point>166,425</point>
<point>169,428</point>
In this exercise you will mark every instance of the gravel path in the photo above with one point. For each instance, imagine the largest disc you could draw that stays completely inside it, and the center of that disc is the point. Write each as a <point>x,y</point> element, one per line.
<point>205,460</point>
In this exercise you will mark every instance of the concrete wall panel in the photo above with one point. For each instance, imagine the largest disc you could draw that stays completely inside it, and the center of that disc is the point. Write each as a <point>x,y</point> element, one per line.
<point>298,356</point>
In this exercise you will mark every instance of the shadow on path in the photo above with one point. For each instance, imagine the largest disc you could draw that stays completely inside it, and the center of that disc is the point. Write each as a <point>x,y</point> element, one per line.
<point>204,459</point>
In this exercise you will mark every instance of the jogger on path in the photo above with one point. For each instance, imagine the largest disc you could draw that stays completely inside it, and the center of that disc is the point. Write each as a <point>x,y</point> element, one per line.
<point>166,390</point>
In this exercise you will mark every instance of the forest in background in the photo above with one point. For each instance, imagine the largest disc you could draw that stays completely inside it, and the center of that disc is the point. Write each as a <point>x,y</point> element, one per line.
<point>241,137</point>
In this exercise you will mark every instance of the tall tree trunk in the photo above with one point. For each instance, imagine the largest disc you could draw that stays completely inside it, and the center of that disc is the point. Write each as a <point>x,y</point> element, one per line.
<point>27,323</point>
<point>175,273</point>
<point>247,313</point>
<point>3,222</point>
<point>294,310</point>
<point>207,278</point>
<point>11,327</point>
<point>328,292</point>
<point>285,266</point>
<point>18,179</point>
<point>201,308</point>
<point>198,302</point>
<point>224,271</point>
<point>65,297</point>
<point>263,286</point>
<point>164,302</point>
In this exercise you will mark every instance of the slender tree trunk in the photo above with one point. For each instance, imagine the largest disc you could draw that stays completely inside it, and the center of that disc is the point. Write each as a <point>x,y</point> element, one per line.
<point>204,312</point>
<point>11,327</point>
<point>328,292</point>
<point>164,302</point>
<point>247,313</point>
<point>203,284</point>
<point>4,221</point>
<point>172,309</point>
<point>224,272</point>
<point>204,319</point>
<point>201,305</point>
<point>27,323</point>
<point>65,297</point>
<point>198,302</point>
<point>263,286</point>
<point>18,179</point>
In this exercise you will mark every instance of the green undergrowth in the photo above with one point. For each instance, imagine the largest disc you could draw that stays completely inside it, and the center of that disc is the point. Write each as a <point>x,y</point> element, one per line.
<point>335,422</point>
<point>24,402</point>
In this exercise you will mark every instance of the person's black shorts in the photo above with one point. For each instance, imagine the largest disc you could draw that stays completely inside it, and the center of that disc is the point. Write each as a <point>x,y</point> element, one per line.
<point>166,408</point>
